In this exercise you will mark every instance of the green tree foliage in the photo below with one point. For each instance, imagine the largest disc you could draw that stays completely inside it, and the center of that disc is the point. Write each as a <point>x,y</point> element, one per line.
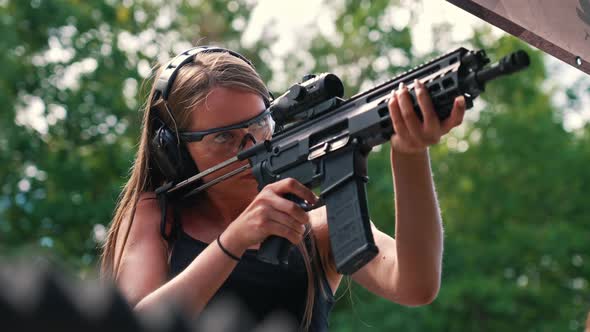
<point>511,181</point>
<point>72,74</point>
<point>511,184</point>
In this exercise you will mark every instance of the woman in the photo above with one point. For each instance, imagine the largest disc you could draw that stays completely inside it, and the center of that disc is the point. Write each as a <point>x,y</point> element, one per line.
<point>211,251</point>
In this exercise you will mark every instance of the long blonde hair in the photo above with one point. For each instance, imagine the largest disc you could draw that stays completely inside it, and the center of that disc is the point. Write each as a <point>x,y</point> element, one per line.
<point>190,88</point>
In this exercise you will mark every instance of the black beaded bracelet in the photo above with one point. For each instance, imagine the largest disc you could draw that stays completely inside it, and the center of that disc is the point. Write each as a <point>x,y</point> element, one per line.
<point>232,256</point>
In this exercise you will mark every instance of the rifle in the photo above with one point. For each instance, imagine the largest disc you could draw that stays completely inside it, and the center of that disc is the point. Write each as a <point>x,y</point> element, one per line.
<point>323,140</point>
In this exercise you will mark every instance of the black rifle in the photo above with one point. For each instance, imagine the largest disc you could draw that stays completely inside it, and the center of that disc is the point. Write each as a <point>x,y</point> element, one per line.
<point>323,141</point>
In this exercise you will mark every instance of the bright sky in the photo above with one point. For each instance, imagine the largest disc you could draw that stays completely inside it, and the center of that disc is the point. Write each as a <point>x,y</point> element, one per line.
<point>290,19</point>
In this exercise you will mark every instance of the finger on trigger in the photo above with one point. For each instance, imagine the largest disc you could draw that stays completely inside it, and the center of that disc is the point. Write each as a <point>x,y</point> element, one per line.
<point>284,231</point>
<point>303,192</point>
<point>284,219</point>
<point>294,210</point>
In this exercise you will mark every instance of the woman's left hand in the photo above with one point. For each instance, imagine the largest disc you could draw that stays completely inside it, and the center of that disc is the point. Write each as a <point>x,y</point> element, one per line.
<point>411,135</point>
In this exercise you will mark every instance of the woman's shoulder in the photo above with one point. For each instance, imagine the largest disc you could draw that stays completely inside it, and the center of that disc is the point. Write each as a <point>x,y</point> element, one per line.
<point>148,209</point>
<point>146,216</point>
<point>147,197</point>
<point>141,251</point>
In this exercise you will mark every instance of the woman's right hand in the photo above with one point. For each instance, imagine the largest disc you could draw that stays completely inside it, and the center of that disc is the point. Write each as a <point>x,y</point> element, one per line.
<point>270,213</point>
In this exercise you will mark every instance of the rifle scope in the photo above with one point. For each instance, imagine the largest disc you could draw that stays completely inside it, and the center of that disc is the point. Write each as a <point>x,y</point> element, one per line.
<point>302,96</point>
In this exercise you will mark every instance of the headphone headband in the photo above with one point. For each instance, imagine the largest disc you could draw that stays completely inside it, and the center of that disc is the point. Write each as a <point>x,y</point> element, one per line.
<point>164,83</point>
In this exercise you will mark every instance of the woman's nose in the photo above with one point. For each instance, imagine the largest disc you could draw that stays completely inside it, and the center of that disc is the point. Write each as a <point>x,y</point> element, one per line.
<point>247,141</point>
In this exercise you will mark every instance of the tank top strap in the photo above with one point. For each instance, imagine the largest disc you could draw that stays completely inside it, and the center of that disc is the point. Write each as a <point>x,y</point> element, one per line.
<point>176,223</point>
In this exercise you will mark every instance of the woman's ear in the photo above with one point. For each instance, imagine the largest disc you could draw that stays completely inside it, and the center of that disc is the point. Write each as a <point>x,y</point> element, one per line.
<point>171,156</point>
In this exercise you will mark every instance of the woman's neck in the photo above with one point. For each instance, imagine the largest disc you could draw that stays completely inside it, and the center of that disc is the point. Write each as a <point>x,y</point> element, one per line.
<point>222,207</point>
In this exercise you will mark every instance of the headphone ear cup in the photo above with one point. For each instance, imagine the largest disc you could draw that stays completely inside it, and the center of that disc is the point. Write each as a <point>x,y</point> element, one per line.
<point>172,158</point>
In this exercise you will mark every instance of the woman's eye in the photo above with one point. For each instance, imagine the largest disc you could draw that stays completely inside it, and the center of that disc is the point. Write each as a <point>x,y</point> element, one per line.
<point>223,137</point>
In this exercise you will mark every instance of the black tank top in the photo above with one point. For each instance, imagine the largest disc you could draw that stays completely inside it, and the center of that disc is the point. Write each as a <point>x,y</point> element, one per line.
<point>263,288</point>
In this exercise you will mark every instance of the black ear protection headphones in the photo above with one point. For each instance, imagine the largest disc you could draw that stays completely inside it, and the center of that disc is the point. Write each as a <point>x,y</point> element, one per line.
<point>170,154</point>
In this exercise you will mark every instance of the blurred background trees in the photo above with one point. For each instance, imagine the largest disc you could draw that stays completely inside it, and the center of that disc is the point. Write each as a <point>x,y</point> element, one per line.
<point>512,180</point>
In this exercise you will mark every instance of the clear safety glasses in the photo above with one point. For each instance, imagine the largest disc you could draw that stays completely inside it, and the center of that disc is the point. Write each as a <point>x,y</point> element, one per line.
<point>231,139</point>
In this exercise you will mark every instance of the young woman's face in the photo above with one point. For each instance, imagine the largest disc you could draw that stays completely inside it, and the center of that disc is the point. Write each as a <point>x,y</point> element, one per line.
<point>225,107</point>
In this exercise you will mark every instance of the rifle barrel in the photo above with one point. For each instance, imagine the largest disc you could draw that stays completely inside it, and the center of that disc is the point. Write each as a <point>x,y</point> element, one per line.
<point>507,65</point>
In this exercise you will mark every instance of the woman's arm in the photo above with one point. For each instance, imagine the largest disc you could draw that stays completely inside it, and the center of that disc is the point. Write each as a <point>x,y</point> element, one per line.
<point>194,287</point>
<point>143,268</point>
<point>408,269</point>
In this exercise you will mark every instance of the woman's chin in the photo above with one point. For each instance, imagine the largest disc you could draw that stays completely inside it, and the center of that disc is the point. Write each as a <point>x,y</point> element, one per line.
<point>249,178</point>
<point>246,175</point>
<point>241,185</point>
